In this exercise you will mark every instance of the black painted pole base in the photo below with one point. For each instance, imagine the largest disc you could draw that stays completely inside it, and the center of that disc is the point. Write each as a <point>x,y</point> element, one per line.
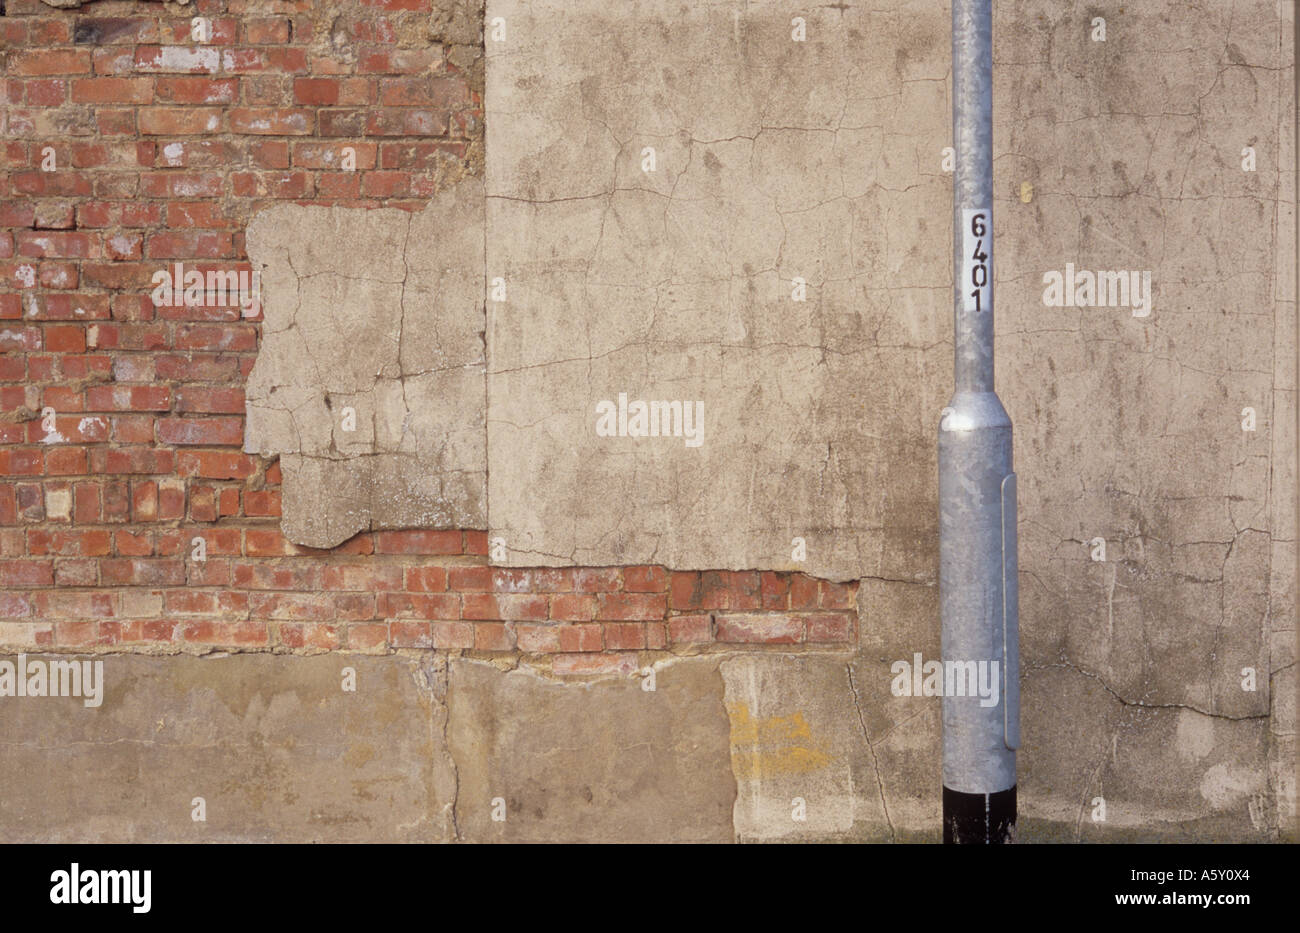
<point>979,819</point>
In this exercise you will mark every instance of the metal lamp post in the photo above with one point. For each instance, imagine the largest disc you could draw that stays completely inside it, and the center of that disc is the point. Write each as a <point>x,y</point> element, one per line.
<point>977,486</point>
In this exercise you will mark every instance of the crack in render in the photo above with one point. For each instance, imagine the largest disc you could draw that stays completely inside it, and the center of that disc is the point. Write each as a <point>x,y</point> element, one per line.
<point>875,763</point>
<point>451,759</point>
<point>1138,704</point>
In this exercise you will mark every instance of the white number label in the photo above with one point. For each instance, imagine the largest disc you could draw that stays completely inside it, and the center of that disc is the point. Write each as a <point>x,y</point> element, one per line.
<point>977,256</point>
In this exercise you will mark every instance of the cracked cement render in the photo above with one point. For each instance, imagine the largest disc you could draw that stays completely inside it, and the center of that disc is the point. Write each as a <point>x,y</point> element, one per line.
<point>774,161</point>
<point>369,381</point>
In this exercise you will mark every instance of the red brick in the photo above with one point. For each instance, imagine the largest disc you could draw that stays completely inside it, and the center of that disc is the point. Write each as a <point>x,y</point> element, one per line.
<point>684,590</point>
<point>829,627</point>
<point>179,121</point>
<point>177,59</point>
<point>316,155</point>
<point>596,579</point>
<point>73,605</point>
<point>26,572</point>
<point>447,635</point>
<point>133,429</point>
<point>203,504</point>
<point>197,367</point>
<point>196,214</point>
<point>574,607</point>
<point>418,605</point>
<point>417,542</point>
<point>65,461</point>
<point>386,184</point>
<point>52,184</point>
<point>143,572</point>
<point>76,429</point>
<point>225,337</point>
<point>201,431</point>
<point>181,184</point>
<point>269,153</point>
<point>316,91</point>
<point>130,544</point>
<point>68,338</point>
<point>579,637</point>
<point>78,543</point>
<point>117,498</point>
<point>271,121</point>
<point>304,607</point>
<point>645,579</point>
<point>350,122</point>
<point>20,461</point>
<point>263,575</point>
<point>113,90</point>
<point>323,636</point>
<point>633,606</point>
<point>228,502</point>
<point>262,503</point>
<point>368,636</point>
<point>725,589</point>
<point>79,572</point>
<point>410,634</point>
<point>803,591</point>
<point>769,629</point>
<point>85,503</point>
<point>396,61</point>
<point>15,606</point>
<point>45,92</point>
<point>367,577</point>
<point>393,121</point>
<point>266,31</point>
<point>106,30</point>
<point>517,607</point>
<point>494,636</point>
<point>128,398</point>
<point>235,634</point>
<point>343,185</point>
<point>474,579</point>
<point>214,464</point>
<point>540,639</point>
<point>271,184</point>
<point>52,244</point>
<point>690,630</point>
<point>48,62</point>
<point>259,542</point>
<point>837,595</point>
<point>197,90</point>
<point>624,636</point>
<point>189,244</point>
<point>532,580</point>
<point>425,579</point>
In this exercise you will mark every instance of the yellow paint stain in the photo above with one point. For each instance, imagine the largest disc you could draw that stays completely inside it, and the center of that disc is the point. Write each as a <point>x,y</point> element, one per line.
<point>1026,192</point>
<point>771,745</point>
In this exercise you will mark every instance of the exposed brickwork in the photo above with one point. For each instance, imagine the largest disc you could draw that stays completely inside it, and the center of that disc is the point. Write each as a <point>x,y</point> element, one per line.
<point>163,148</point>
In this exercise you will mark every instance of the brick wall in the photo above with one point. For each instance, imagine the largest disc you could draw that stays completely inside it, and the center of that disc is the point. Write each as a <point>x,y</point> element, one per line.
<point>122,422</point>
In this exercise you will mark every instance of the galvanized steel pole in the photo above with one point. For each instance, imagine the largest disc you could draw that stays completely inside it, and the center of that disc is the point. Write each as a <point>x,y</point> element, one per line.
<point>977,486</point>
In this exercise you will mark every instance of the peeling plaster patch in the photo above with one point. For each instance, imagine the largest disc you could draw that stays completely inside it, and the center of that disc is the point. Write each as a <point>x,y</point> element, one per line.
<point>369,380</point>
<point>771,265</point>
